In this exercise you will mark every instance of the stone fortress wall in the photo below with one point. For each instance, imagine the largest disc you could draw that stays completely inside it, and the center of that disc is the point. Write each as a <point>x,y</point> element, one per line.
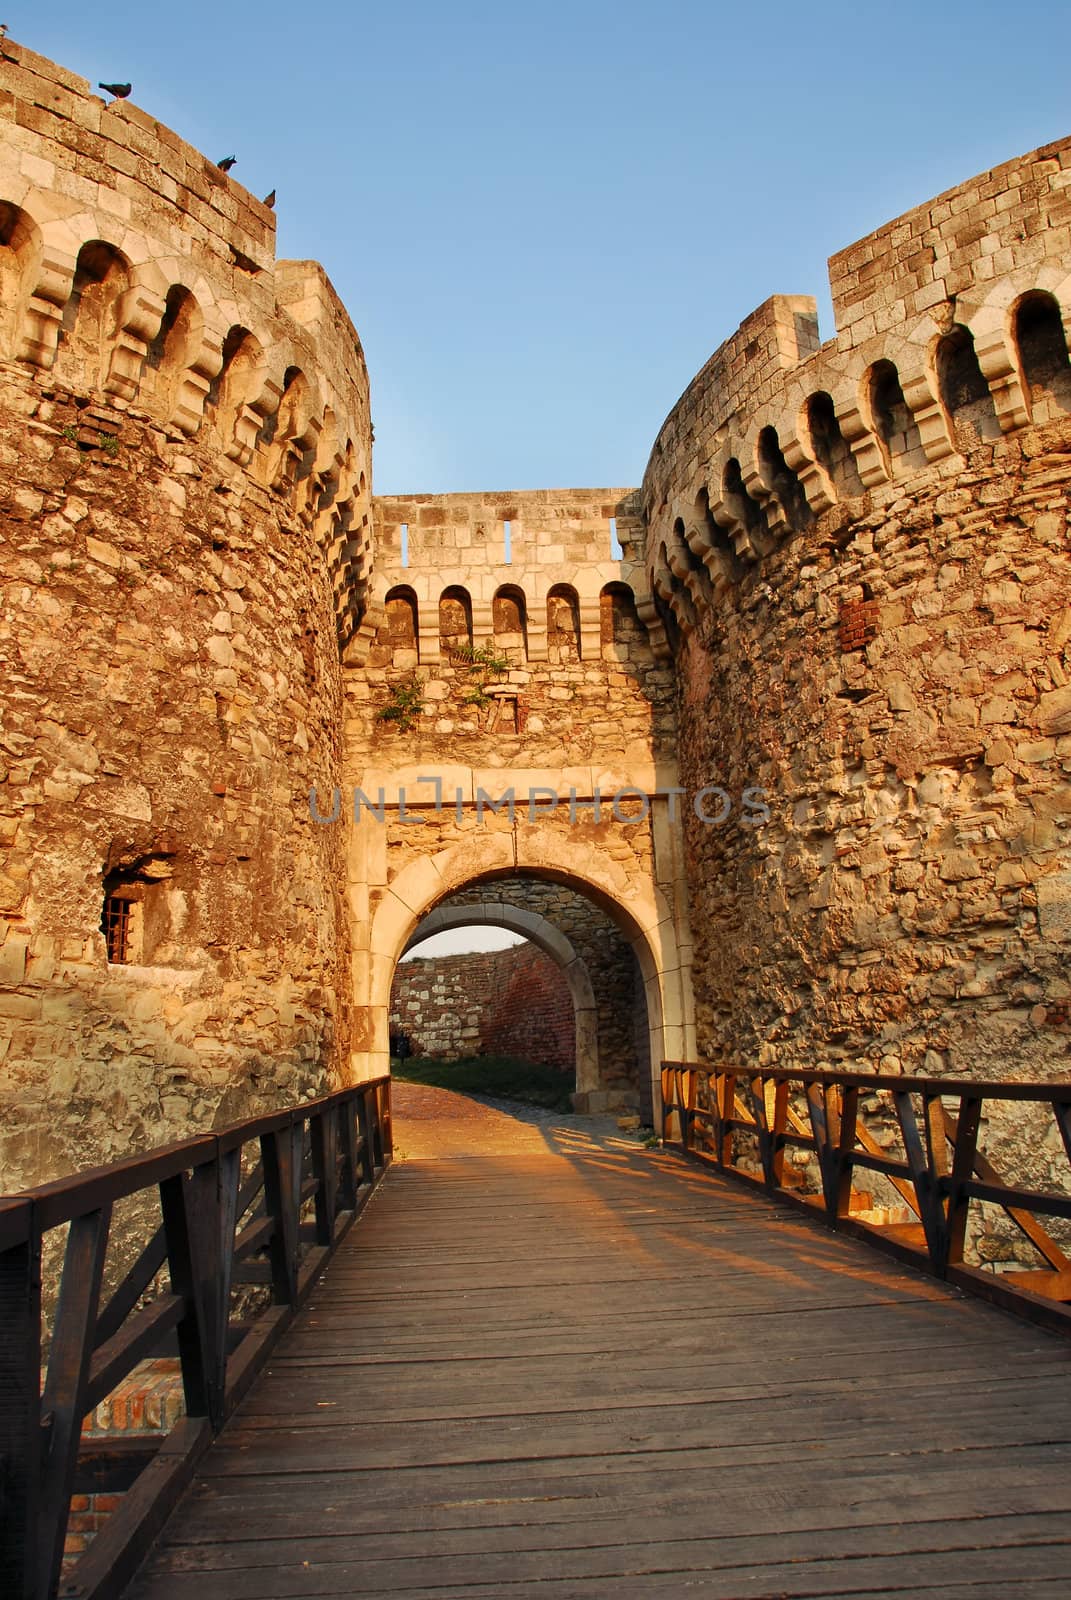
<point>540,666</point>
<point>184,482</point>
<point>845,579</point>
<point>861,551</point>
<point>512,1002</point>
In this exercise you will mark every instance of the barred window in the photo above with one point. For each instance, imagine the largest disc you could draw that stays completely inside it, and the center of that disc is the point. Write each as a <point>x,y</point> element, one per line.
<point>115,924</point>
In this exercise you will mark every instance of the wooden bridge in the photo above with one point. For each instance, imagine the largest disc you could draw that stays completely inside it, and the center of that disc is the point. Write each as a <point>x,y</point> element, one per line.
<point>548,1361</point>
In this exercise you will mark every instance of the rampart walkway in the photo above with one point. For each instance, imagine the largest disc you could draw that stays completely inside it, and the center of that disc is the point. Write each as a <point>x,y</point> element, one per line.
<point>563,1365</point>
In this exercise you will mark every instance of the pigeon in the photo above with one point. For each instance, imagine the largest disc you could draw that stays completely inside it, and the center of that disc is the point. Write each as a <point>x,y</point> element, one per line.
<point>119,90</point>
<point>269,200</point>
<point>227,163</point>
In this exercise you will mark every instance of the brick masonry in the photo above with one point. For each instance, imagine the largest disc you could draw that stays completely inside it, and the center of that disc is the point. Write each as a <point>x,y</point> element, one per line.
<point>512,1002</point>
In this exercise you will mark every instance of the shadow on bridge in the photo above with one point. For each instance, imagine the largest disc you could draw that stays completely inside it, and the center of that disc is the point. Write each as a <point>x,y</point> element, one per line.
<point>550,1362</point>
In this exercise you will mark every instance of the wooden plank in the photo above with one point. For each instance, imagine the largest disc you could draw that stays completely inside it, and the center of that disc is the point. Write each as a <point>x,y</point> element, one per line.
<point>610,1372</point>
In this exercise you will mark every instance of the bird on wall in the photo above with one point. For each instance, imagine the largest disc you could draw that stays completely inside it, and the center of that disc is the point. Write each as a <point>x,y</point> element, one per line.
<point>269,200</point>
<point>119,90</point>
<point>227,163</point>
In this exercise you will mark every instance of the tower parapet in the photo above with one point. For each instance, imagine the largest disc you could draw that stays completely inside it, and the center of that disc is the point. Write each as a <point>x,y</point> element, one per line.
<point>140,276</point>
<point>950,328</point>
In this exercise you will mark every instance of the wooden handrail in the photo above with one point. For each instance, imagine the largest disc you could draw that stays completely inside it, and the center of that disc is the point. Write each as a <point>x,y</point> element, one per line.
<point>328,1154</point>
<point>938,1169</point>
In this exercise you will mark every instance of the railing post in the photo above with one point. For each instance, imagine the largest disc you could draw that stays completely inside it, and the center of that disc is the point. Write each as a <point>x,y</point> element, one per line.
<point>350,1181</point>
<point>927,1164</point>
<point>212,1217</point>
<point>324,1133</point>
<point>963,1155</point>
<point>726,1108</point>
<point>849,1113</point>
<point>20,1399</point>
<point>367,1123</point>
<point>688,1080</point>
<point>818,1109</point>
<point>386,1128</point>
<point>282,1189</point>
<point>666,1078</point>
<point>63,1401</point>
<point>182,1205</point>
<point>771,1130</point>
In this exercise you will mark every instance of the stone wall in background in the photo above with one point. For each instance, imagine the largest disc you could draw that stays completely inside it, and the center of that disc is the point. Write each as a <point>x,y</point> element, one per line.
<point>621,1019</point>
<point>512,1002</point>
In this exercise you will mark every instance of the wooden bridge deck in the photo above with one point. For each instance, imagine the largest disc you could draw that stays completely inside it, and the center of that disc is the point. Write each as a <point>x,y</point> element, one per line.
<point>568,1366</point>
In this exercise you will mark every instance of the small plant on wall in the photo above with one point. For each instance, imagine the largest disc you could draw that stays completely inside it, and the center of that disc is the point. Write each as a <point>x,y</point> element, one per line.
<point>406,703</point>
<point>483,664</point>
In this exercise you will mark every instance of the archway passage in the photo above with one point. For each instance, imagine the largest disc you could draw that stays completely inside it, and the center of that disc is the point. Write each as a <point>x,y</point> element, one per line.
<point>475,1009</point>
<point>633,914</point>
<point>610,1048</point>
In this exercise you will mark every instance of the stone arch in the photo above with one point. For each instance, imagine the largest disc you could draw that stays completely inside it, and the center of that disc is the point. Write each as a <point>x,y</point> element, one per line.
<point>402,621</point>
<point>20,256</point>
<point>289,434</point>
<point>233,390</point>
<point>563,624</point>
<point>745,511</point>
<point>786,504</point>
<point>962,387</point>
<point>639,909</point>
<point>509,621</point>
<point>455,620</point>
<point>620,630</point>
<point>831,449</point>
<point>530,925</point>
<point>893,422</point>
<point>90,321</point>
<point>1041,346</point>
<point>172,350</point>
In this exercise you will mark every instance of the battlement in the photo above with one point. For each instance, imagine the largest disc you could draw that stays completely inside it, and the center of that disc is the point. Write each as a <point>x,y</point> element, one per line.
<point>952,326</point>
<point>533,551</point>
<point>139,275</point>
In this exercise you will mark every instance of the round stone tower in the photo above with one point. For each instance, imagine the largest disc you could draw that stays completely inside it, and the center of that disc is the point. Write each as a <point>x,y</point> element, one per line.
<point>861,551</point>
<point>185,540</point>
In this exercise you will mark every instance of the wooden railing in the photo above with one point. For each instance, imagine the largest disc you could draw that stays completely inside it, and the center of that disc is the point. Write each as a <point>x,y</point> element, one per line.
<point>747,1124</point>
<point>264,1203</point>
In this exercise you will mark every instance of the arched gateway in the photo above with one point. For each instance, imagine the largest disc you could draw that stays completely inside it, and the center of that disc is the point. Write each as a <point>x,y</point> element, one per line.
<point>530,925</point>
<point>485,752</point>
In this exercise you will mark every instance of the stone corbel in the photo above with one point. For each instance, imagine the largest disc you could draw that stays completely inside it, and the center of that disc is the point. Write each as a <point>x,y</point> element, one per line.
<point>1000,373</point>
<point>921,400</point>
<point>483,624</point>
<point>737,531</point>
<point>188,406</point>
<point>249,421</point>
<point>42,317</point>
<point>647,612</point>
<point>139,313</point>
<point>815,481</point>
<point>863,442</point>
<point>428,633</point>
<point>590,629</point>
<point>763,495</point>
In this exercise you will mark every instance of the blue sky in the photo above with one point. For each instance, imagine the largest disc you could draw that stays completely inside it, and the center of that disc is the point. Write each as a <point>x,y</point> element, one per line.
<point>544,219</point>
